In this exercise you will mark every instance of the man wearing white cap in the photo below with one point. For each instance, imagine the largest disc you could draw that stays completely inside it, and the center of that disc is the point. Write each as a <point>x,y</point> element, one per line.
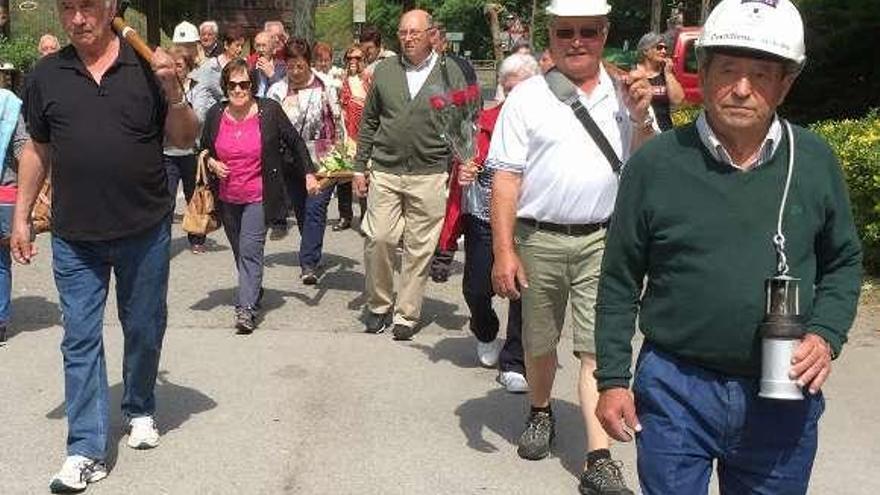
<point>559,142</point>
<point>706,216</point>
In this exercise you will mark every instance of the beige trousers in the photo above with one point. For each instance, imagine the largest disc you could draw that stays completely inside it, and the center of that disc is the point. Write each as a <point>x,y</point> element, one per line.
<point>408,205</point>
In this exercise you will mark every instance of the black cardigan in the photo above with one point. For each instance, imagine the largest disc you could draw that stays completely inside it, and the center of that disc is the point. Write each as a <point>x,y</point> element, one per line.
<point>284,157</point>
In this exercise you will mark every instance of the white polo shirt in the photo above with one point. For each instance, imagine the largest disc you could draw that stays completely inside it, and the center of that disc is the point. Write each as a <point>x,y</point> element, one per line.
<point>565,177</point>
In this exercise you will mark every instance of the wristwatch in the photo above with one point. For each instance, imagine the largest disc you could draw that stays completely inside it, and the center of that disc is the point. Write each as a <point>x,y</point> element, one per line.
<point>646,124</point>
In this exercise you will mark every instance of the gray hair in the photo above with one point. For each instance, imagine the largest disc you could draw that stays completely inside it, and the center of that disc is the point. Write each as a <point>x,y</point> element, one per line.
<point>212,25</point>
<point>518,64</point>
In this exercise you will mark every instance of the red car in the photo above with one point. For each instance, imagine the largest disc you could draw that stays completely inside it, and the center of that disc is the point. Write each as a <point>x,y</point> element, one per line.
<point>684,60</point>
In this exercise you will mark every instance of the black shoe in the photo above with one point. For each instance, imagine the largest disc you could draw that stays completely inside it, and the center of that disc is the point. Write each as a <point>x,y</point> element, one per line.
<point>342,224</point>
<point>245,321</point>
<point>604,477</point>
<point>2,335</point>
<point>376,323</point>
<point>309,277</point>
<point>535,441</point>
<point>403,332</point>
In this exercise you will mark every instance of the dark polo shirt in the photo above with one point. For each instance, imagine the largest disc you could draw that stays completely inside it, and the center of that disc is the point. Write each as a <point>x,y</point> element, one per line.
<point>108,180</point>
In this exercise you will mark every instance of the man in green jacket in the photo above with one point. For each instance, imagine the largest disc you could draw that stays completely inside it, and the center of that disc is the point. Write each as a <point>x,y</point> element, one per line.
<point>402,135</point>
<point>695,220</point>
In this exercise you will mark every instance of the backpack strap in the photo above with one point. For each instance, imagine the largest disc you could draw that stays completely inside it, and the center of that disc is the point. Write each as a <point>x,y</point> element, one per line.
<point>566,92</point>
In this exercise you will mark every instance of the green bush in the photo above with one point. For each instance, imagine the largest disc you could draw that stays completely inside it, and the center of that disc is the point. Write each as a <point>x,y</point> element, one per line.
<point>857,144</point>
<point>20,51</point>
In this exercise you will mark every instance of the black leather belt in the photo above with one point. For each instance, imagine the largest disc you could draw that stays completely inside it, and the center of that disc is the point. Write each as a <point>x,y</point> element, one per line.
<point>560,228</point>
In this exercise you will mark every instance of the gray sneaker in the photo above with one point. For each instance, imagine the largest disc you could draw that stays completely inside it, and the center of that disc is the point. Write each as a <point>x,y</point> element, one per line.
<point>604,477</point>
<point>534,443</point>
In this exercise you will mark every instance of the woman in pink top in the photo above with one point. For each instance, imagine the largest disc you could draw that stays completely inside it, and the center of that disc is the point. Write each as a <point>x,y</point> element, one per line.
<point>244,137</point>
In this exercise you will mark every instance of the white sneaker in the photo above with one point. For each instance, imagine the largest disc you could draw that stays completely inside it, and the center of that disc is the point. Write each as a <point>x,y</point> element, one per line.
<point>487,352</point>
<point>514,382</point>
<point>142,433</point>
<point>76,473</point>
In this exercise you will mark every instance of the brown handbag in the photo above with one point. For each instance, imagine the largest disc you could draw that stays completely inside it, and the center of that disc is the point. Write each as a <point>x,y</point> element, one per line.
<point>41,215</point>
<point>201,217</point>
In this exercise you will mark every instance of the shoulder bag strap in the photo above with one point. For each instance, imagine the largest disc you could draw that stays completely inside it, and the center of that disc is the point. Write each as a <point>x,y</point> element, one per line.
<point>563,89</point>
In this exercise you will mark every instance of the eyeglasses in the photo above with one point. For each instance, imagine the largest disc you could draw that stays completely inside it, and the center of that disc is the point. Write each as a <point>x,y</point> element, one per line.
<point>586,33</point>
<point>243,85</point>
<point>411,33</point>
<point>660,47</point>
<point>353,57</point>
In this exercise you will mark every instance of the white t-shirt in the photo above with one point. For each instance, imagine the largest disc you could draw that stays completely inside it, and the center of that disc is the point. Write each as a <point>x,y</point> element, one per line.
<point>565,177</point>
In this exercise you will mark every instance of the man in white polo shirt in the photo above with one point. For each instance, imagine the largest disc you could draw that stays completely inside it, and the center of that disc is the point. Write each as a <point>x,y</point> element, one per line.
<point>554,191</point>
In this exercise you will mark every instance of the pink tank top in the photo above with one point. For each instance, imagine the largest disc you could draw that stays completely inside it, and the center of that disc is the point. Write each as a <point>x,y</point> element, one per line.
<point>240,147</point>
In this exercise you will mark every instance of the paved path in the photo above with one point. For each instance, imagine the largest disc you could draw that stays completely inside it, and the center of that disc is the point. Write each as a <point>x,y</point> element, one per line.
<point>310,405</point>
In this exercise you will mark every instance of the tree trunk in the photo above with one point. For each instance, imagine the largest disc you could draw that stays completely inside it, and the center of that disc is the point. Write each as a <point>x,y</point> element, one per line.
<point>656,13</point>
<point>704,11</point>
<point>492,10</point>
<point>154,22</point>
<point>303,22</point>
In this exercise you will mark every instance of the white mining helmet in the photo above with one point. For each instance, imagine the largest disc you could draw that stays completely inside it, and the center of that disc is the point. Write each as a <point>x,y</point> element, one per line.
<point>185,33</point>
<point>769,26</point>
<point>578,8</point>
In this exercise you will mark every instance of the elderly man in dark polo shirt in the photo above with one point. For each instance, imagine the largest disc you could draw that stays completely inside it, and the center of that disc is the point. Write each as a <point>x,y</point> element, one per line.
<point>99,114</point>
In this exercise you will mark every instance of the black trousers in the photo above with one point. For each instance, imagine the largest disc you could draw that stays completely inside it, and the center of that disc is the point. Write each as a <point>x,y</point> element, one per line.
<point>478,294</point>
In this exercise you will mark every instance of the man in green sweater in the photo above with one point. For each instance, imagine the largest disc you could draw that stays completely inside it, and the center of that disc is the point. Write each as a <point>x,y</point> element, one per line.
<point>695,219</point>
<point>402,135</point>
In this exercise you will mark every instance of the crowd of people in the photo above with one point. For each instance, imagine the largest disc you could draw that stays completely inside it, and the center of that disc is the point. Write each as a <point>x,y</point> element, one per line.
<point>573,199</point>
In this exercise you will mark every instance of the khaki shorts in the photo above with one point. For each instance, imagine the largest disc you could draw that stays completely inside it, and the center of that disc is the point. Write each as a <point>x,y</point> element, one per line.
<point>559,267</point>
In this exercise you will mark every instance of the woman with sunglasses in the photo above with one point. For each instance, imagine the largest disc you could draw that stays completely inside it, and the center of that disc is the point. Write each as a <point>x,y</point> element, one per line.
<point>352,98</point>
<point>668,93</point>
<point>244,137</point>
<point>306,101</point>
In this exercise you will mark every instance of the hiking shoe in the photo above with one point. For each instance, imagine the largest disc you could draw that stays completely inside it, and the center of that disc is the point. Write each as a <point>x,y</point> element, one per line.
<point>376,323</point>
<point>76,473</point>
<point>342,224</point>
<point>534,443</point>
<point>309,277</point>
<point>245,321</point>
<point>403,332</point>
<point>198,249</point>
<point>488,352</point>
<point>604,477</point>
<point>2,335</point>
<point>513,382</point>
<point>142,433</point>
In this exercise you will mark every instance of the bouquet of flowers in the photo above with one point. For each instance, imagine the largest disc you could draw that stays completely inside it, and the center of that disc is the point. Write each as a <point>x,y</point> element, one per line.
<point>458,109</point>
<point>335,161</point>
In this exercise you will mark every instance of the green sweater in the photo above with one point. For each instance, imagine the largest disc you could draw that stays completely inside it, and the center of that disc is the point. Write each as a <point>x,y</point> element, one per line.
<point>402,135</point>
<point>699,233</point>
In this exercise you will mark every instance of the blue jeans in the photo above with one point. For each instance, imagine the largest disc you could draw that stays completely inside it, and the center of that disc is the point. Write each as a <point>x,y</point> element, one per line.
<point>5,285</point>
<point>82,276</point>
<point>692,416</point>
<point>478,293</point>
<point>311,246</point>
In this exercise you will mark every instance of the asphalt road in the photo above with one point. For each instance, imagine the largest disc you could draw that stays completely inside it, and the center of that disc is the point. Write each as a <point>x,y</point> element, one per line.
<point>309,404</point>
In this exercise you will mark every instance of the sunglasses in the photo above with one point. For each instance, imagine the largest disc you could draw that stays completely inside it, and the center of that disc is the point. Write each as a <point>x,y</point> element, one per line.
<point>243,85</point>
<point>586,33</point>
<point>354,58</point>
<point>661,47</point>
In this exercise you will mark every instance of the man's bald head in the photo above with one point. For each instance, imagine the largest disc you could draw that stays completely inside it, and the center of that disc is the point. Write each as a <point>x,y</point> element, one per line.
<point>415,35</point>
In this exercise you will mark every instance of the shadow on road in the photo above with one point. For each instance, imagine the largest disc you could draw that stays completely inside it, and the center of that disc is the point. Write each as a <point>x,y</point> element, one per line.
<point>175,404</point>
<point>181,244</point>
<point>272,299</point>
<point>505,415</point>
<point>459,351</point>
<point>443,314</point>
<point>33,313</point>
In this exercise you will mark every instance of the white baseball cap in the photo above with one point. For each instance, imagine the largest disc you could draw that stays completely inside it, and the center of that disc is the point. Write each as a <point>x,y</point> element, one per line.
<point>185,33</point>
<point>578,8</point>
